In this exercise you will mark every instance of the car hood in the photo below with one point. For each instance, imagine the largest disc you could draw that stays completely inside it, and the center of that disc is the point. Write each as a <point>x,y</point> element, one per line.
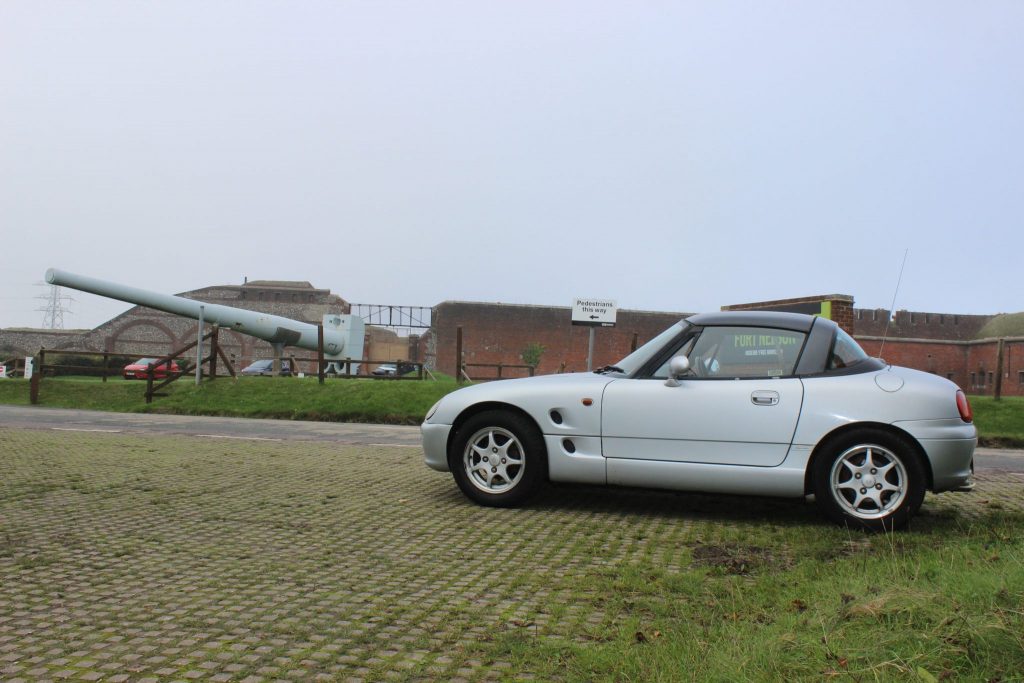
<point>546,399</point>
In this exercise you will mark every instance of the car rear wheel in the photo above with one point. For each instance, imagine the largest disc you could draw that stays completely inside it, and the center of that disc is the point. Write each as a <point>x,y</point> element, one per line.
<point>869,479</point>
<point>498,459</point>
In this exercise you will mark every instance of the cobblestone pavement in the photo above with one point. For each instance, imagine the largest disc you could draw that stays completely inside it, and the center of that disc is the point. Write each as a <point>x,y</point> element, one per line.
<point>184,558</point>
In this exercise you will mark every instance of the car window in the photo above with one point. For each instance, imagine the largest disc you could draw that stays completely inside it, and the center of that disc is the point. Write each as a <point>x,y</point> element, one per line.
<point>646,353</point>
<point>845,352</point>
<point>745,352</point>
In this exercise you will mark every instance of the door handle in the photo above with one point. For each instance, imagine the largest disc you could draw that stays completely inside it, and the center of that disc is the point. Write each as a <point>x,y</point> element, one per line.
<point>764,398</point>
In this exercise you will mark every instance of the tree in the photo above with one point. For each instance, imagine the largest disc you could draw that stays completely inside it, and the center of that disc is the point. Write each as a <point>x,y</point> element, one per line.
<point>532,353</point>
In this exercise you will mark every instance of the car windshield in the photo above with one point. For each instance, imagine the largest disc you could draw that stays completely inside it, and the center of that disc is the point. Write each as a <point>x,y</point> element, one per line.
<point>144,361</point>
<point>634,361</point>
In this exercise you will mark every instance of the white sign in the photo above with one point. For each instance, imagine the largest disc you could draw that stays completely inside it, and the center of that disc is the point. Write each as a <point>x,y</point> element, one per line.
<point>3,371</point>
<point>594,312</point>
<point>29,366</point>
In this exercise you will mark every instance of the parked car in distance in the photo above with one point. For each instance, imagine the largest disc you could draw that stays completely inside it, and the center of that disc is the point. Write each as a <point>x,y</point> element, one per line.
<point>744,402</point>
<point>391,370</point>
<point>140,369</point>
<point>266,367</point>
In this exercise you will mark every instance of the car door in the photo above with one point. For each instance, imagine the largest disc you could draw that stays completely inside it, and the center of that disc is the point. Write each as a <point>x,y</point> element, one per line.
<point>739,405</point>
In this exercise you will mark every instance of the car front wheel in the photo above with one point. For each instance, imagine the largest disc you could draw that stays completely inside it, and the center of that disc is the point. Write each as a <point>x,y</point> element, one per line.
<point>869,479</point>
<point>498,459</point>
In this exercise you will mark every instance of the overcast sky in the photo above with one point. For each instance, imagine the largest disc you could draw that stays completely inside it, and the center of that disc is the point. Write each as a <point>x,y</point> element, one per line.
<point>669,155</point>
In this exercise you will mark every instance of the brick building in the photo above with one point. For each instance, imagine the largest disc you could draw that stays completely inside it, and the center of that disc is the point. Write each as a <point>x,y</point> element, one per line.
<point>835,307</point>
<point>975,351</point>
<point>963,348</point>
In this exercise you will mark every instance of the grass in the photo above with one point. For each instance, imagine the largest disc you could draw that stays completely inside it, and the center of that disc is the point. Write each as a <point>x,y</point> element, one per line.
<point>350,400</point>
<point>800,604</point>
<point>1000,423</point>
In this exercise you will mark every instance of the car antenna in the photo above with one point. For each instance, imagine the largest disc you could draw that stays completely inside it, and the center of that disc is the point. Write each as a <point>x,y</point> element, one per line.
<point>892,306</point>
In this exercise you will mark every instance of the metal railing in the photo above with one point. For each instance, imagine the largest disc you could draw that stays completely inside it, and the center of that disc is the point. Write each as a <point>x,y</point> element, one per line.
<point>41,366</point>
<point>500,368</point>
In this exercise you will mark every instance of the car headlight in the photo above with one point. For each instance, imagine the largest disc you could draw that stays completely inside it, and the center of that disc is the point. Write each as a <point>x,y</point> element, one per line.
<point>430,413</point>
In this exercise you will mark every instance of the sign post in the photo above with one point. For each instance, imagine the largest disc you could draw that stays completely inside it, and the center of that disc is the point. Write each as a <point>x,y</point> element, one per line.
<point>593,313</point>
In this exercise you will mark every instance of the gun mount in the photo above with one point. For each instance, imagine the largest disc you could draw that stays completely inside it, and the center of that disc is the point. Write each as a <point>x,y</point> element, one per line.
<point>343,334</point>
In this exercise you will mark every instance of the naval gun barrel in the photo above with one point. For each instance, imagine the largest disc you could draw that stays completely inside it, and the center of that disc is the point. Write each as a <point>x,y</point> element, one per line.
<point>272,328</point>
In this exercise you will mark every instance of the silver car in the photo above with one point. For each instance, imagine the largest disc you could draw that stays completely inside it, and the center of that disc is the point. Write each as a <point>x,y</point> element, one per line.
<point>757,403</point>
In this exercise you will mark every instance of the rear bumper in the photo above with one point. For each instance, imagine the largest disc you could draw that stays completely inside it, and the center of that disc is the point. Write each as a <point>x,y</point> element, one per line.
<point>949,445</point>
<point>952,464</point>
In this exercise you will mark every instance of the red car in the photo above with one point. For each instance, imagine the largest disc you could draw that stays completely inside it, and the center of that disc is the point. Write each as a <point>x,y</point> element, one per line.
<point>140,369</point>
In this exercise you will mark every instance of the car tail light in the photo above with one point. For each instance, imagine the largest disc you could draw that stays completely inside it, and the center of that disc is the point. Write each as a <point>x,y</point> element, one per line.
<point>964,406</point>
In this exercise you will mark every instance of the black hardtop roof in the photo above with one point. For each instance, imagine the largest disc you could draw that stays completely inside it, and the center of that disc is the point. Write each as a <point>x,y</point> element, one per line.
<point>798,322</point>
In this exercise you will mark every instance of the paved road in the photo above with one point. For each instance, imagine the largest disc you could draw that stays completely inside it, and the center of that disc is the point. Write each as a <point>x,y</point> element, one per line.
<point>215,427</point>
<point>287,430</point>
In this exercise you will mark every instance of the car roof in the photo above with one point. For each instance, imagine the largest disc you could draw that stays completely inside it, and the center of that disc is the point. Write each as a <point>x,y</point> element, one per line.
<point>798,322</point>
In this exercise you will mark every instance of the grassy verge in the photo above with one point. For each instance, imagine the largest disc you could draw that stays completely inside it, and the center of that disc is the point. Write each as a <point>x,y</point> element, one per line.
<point>1000,423</point>
<point>765,603</point>
<point>352,400</point>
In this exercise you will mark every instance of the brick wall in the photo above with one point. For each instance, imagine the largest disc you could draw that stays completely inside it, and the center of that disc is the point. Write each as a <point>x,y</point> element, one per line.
<point>498,333</point>
<point>917,325</point>
<point>982,361</point>
<point>946,359</point>
<point>839,307</point>
<point>971,364</point>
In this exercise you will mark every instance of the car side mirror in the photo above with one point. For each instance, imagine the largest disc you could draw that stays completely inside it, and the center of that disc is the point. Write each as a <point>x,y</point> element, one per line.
<point>678,367</point>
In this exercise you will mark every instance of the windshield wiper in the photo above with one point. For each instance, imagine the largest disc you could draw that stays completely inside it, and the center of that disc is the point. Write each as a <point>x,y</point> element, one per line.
<point>609,368</point>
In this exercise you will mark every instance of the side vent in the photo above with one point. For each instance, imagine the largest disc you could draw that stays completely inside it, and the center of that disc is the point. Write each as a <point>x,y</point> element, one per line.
<point>568,445</point>
<point>556,417</point>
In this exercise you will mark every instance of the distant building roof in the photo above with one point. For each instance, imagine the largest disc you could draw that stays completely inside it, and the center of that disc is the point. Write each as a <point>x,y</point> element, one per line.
<point>284,284</point>
<point>1003,325</point>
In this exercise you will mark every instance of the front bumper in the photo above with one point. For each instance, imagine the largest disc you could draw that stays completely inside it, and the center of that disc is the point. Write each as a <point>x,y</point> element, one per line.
<point>435,445</point>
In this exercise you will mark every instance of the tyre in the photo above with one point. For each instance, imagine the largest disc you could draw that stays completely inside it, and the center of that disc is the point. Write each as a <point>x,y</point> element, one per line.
<point>869,479</point>
<point>498,459</point>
